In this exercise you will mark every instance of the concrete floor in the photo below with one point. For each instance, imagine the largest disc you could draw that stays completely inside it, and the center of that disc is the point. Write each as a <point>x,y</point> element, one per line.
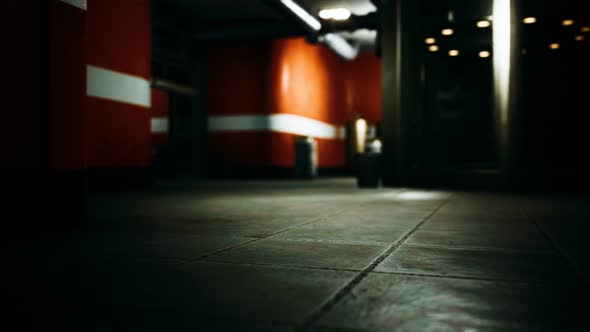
<point>318,256</point>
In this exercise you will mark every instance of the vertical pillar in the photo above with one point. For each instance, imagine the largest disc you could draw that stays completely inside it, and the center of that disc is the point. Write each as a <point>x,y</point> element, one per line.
<point>507,63</point>
<point>118,102</point>
<point>401,60</point>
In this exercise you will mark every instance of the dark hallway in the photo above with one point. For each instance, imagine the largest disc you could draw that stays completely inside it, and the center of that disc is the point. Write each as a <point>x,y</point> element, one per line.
<point>296,165</point>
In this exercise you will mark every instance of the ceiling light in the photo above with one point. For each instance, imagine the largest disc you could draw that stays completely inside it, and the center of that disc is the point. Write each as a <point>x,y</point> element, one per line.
<point>585,29</point>
<point>484,54</point>
<point>567,22</point>
<point>430,40</point>
<point>447,32</point>
<point>579,38</point>
<point>433,48</point>
<point>554,46</point>
<point>453,52</point>
<point>311,21</point>
<point>337,14</point>
<point>529,20</point>
<point>483,24</point>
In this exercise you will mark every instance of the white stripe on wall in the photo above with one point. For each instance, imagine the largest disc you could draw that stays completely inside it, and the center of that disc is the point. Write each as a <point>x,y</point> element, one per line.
<point>159,125</point>
<point>112,85</point>
<point>284,123</point>
<point>77,3</point>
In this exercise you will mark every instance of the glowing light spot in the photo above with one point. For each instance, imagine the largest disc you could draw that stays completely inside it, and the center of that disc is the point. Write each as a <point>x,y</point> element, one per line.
<point>483,24</point>
<point>579,38</point>
<point>554,46</point>
<point>433,48</point>
<point>484,54</point>
<point>567,22</point>
<point>453,52</point>
<point>529,20</point>
<point>430,40</point>
<point>447,32</point>
<point>337,14</point>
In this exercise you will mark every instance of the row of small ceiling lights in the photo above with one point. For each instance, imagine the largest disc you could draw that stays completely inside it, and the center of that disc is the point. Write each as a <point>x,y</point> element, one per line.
<point>431,41</point>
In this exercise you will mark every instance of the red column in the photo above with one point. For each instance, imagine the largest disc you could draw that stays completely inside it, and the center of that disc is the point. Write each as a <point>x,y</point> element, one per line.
<point>118,102</point>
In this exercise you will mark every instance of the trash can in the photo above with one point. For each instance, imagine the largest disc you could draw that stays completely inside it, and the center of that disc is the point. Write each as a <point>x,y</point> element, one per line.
<point>368,175</point>
<point>369,166</point>
<point>305,158</point>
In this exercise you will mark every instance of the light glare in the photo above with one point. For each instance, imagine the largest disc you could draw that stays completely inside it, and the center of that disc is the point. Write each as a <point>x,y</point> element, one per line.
<point>529,20</point>
<point>453,53</point>
<point>585,29</point>
<point>483,24</point>
<point>484,54</point>
<point>337,14</point>
<point>579,38</point>
<point>447,32</point>
<point>430,40</point>
<point>433,48</point>
<point>567,22</point>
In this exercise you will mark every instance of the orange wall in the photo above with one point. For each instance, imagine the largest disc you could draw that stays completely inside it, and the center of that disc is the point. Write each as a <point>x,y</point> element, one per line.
<point>287,76</point>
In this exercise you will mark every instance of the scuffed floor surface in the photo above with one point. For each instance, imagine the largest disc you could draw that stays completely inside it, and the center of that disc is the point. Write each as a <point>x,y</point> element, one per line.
<point>312,256</point>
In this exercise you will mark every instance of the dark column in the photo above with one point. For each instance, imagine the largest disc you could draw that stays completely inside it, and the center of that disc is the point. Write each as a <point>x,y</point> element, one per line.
<point>402,54</point>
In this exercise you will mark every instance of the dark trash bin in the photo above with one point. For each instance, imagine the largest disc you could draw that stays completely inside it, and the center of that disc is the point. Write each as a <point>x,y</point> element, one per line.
<point>369,170</point>
<point>305,158</point>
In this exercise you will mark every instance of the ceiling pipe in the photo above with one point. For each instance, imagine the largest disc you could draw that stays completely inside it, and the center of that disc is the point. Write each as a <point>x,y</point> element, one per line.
<point>333,41</point>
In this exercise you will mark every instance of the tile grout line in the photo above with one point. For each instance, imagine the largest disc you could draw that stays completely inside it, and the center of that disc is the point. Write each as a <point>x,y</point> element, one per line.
<point>365,272</point>
<point>557,247</point>
<point>202,257</point>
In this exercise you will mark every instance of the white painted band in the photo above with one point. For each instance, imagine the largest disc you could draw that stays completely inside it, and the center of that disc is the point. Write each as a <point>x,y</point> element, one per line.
<point>112,85</point>
<point>284,123</point>
<point>159,125</point>
<point>77,3</point>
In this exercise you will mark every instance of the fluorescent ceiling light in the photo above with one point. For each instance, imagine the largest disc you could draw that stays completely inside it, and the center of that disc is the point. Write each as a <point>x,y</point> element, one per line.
<point>303,14</point>
<point>337,14</point>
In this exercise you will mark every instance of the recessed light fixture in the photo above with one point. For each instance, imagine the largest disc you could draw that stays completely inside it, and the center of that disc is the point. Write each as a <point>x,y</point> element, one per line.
<point>529,20</point>
<point>447,32</point>
<point>337,14</point>
<point>585,29</point>
<point>430,40</point>
<point>453,53</point>
<point>483,24</point>
<point>433,48</point>
<point>554,46</point>
<point>484,54</point>
<point>579,38</point>
<point>567,22</point>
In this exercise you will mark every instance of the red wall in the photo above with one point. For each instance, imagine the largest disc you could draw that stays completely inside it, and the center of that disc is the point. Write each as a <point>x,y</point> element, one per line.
<point>118,39</point>
<point>287,76</point>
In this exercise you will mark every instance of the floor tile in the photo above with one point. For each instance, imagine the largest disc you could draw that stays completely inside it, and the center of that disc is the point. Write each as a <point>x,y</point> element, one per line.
<point>476,264</point>
<point>282,252</point>
<point>401,303</point>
